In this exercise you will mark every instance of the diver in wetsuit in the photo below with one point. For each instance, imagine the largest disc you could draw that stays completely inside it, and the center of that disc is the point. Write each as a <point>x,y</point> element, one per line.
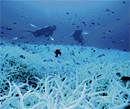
<point>45,31</point>
<point>77,35</point>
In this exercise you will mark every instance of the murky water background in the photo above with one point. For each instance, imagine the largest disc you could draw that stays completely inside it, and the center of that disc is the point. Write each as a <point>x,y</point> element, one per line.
<point>106,22</point>
<point>64,54</point>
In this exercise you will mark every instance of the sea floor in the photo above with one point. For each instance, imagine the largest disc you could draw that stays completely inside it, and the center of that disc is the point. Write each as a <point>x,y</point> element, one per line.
<point>31,77</point>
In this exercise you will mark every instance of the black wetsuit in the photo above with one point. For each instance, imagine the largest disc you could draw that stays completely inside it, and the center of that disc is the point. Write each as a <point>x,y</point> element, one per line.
<point>77,35</point>
<point>46,31</point>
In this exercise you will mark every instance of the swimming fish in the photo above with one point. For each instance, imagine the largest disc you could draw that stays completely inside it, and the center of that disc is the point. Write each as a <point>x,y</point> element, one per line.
<point>84,33</point>
<point>52,38</point>
<point>57,52</point>
<point>15,38</point>
<point>32,25</point>
<point>45,31</point>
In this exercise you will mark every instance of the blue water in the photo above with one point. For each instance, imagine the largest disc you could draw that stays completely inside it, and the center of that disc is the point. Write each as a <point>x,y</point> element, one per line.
<point>64,54</point>
<point>106,22</point>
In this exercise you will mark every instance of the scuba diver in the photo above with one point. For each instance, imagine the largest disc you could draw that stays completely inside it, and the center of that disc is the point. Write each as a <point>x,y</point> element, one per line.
<point>45,31</point>
<point>78,36</point>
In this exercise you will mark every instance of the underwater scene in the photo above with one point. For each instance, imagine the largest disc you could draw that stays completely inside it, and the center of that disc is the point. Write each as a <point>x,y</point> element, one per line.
<point>64,54</point>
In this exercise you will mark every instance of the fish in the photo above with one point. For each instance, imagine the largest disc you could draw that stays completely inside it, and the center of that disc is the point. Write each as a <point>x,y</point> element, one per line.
<point>8,28</point>
<point>15,38</point>
<point>52,38</point>
<point>57,52</point>
<point>84,23</point>
<point>45,31</point>
<point>32,25</point>
<point>84,33</point>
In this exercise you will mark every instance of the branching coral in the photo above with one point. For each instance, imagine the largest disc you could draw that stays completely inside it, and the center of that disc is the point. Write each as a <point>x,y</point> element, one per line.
<point>52,93</point>
<point>86,85</point>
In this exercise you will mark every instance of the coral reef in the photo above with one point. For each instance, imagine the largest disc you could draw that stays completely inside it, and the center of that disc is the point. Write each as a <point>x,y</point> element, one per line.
<point>81,78</point>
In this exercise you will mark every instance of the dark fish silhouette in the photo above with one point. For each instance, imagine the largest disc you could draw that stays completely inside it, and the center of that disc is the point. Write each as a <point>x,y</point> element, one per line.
<point>46,31</point>
<point>77,35</point>
<point>8,28</point>
<point>57,52</point>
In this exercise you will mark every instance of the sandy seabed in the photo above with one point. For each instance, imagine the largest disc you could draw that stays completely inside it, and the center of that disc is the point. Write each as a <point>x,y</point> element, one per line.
<point>31,77</point>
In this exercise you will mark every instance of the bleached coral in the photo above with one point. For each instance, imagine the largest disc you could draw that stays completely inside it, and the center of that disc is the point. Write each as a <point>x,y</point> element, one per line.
<point>76,80</point>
